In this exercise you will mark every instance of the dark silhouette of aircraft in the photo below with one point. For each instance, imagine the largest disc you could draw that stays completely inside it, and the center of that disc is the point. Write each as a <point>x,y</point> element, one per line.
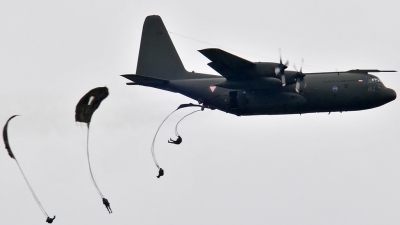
<point>252,88</point>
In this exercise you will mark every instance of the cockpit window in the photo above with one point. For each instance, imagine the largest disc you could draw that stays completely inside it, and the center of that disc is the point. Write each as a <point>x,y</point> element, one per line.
<point>374,84</point>
<point>374,80</point>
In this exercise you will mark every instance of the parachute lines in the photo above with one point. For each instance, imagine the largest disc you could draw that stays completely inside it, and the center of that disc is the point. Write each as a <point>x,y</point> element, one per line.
<point>90,168</point>
<point>33,193</point>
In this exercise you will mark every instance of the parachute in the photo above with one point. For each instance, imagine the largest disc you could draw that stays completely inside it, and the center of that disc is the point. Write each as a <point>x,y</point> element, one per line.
<point>89,103</point>
<point>84,110</point>
<point>178,141</point>
<point>11,154</point>
<point>5,138</point>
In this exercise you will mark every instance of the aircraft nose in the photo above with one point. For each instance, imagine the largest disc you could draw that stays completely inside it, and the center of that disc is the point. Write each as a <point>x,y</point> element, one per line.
<point>390,94</point>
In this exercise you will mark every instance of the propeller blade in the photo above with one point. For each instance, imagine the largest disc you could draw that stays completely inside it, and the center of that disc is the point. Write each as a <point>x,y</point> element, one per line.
<point>280,69</point>
<point>300,78</point>
<point>283,79</point>
<point>277,71</point>
<point>301,67</point>
<point>298,86</point>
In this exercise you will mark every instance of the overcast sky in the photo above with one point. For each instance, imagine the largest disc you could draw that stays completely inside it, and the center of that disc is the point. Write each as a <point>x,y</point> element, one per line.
<point>341,168</point>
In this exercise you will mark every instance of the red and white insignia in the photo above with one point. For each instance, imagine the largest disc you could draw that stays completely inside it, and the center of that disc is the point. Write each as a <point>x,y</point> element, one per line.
<point>212,88</point>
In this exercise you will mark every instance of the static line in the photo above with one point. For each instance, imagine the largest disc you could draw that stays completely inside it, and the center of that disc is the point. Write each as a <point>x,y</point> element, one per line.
<point>176,126</point>
<point>154,139</point>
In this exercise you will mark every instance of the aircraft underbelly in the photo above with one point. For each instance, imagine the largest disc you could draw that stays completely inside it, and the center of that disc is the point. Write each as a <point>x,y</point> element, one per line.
<point>259,103</point>
<point>321,99</point>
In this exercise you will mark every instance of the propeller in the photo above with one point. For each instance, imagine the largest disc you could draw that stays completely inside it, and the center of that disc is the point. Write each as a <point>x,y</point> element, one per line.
<point>300,77</point>
<point>280,69</point>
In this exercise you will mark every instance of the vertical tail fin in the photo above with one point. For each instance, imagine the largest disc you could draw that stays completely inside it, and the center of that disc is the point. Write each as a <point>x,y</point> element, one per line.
<point>158,57</point>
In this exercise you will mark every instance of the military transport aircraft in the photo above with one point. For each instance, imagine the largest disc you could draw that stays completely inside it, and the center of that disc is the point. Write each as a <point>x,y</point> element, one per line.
<point>252,88</point>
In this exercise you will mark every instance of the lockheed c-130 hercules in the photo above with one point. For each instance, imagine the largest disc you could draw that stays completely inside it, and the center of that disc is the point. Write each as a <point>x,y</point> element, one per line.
<point>252,88</point>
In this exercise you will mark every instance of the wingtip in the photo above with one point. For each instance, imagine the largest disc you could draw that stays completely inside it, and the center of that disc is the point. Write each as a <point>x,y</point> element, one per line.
<point>127,75</point>
<point>209,49</point>
<point>370,71</point>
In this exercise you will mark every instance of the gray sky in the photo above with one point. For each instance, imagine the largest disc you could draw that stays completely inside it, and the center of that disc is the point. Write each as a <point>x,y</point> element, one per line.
<point>308,169</point>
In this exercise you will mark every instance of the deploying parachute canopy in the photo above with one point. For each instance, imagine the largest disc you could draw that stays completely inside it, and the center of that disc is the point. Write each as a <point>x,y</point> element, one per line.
<point>7,144</point>
<point>179,140</point>
<point>89,103</point>
<point>5,138</point>
<point>189,105</point>
<point>83,113</point>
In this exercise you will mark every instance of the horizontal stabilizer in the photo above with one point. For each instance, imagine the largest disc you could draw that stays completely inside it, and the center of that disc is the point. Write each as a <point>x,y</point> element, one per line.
<point>146,81</point>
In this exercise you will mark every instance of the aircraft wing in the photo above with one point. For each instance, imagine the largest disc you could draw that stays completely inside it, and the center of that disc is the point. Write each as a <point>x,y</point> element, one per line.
<point>230,66</point>
<point>370,71</point>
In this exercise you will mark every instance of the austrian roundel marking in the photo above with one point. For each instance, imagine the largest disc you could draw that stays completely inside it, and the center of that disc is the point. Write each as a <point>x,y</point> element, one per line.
<point>212,88</point>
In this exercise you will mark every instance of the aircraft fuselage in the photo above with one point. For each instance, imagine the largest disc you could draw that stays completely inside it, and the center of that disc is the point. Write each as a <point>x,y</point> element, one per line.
<point>324,92</point>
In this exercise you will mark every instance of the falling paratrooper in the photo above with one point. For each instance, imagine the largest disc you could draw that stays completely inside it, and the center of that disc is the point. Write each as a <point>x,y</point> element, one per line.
<point>11,154</point>
<point>84,110</point>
